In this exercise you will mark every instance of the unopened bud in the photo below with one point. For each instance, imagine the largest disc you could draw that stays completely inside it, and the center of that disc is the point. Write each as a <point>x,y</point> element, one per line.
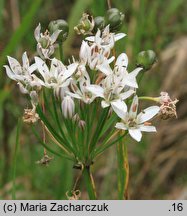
<point>68,107</point>
<point>146,59</point>
<point>85,25</point>
<point>114,18</point>
<point>99,23</point>
<point>82,124</point>
<point>62,25</point>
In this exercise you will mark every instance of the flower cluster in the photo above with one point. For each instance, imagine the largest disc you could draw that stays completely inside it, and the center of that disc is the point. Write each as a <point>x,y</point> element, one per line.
<point>97,74</point>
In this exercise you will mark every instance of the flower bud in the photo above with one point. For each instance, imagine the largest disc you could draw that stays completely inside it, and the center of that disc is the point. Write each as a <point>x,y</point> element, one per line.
<point>85,25</point>
<point>82,124</point>
<point>114,18</point>
<point>146,59</point>
<point>99,23</point>
<point>62,25</point>
<point>68,107</point>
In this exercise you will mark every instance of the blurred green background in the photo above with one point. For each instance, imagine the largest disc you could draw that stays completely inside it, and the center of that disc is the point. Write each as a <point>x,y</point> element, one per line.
<point>158,165</point>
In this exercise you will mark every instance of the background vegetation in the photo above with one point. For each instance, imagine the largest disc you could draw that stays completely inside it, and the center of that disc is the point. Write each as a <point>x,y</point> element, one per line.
<point>158,164</point>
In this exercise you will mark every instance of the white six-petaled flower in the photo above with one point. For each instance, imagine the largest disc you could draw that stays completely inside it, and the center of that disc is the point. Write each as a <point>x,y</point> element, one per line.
<point>45,45</point>
<point>57,76</point>
<point>134,123</point>
<point>22,74</point>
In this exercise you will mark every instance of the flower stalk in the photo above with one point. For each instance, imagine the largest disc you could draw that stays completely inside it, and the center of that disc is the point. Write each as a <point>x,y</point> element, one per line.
<point>123,170</point>
<point>89,181</point>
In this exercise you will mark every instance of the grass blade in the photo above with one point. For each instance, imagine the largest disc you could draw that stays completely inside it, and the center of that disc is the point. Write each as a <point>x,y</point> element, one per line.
<point>15,160</point>
<point>21,31</point>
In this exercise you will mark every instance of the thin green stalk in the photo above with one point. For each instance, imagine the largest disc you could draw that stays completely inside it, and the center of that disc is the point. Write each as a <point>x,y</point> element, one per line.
<point>123,170</point>
<point>90,186</point>
<point>50,149</point>
<point>149,98</point>
<point>53,132</point>
<point>107,144</point>
<point>15,160</point>
<point>99,128</point>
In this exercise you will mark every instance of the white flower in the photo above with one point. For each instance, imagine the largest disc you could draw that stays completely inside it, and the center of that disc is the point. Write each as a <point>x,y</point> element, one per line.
<point>68,107</point>
<point>80,91</point>
<point>22,74</point>
<point>58,76</point>
<point>112,92</point>
<point>120,69</point>
<point>106,39</point>
<point>94,55</point>
<point>134,123</point>
<point>45,45</point>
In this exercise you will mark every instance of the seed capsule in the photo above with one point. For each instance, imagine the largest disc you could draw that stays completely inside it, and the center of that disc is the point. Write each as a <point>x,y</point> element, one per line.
<point>62,25</point>
<point>146,59</point>
<point>114,18</point>
<point>99,23</point>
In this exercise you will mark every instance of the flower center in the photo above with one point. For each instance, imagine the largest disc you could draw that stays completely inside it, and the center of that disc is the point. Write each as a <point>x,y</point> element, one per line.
<point>132,122</point>
<point>52,80</point>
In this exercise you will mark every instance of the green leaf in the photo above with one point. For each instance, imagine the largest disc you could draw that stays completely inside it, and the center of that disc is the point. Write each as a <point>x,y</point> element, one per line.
<point>15,160</point>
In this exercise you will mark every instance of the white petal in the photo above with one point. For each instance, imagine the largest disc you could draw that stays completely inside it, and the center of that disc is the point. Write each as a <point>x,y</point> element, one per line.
<point>104,104</point>
<point>74,95</point>
<point>111,59</point>
<point>25,60</point>
<point>37,32</point>
<point>120,108</point>
<point>147,114</point>
<point>71,69</point>
<point>38,80</point>
<point>122,60</point>
<point>14,65</point>
<point>121,126</point>
<point>135,134</point>
<point>91,38</point>
<point>42,67</point>
<point>147,128</point>
<point>85,52</point>
<point>105,68</point>
<point>96,90</point>
<point>55,35</point>
<point>32,68</point>
<point>119,36</point>
<point>134,108</point>
<point>126,94</point>
<point>9,73</point>
<point>131,82</point>
<point>135,72</point>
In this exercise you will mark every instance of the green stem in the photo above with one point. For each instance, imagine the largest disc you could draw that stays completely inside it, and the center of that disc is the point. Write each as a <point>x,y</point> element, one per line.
<point>149,98</point>
<point>90,186</point>
<point>123,170</point>
<point>15,160</point>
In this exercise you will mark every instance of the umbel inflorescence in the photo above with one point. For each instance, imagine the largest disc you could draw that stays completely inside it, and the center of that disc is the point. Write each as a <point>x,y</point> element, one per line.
<point>91,103</point>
